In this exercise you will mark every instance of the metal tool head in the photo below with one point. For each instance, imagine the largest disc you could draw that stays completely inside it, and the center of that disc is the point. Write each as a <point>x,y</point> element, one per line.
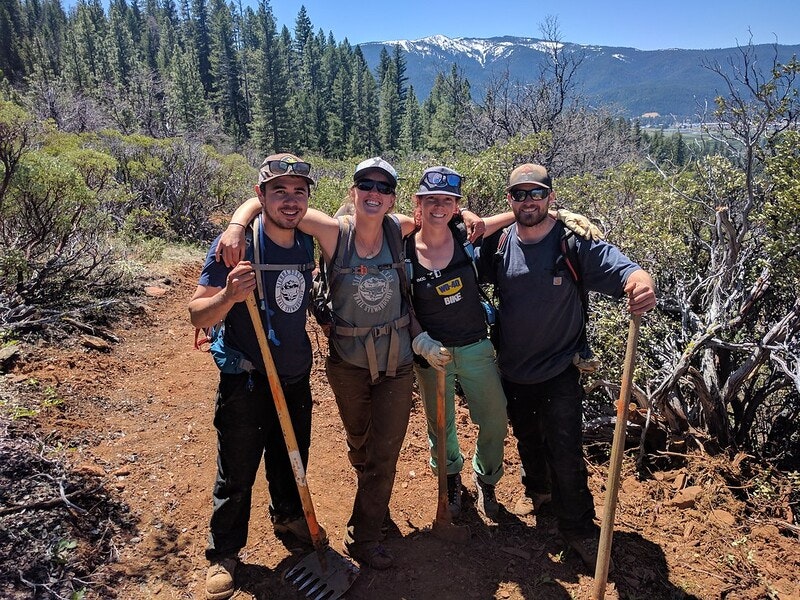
<point>323,575</point>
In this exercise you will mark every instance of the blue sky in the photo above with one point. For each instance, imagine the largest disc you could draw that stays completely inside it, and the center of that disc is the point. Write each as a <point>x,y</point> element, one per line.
<point>695,24</point>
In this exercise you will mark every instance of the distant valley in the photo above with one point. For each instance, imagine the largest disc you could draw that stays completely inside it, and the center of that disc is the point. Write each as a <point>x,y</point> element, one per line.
<point>672,83</point>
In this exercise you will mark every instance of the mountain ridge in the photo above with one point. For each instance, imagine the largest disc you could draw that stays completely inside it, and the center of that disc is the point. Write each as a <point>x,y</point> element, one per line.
<point>671,82</point>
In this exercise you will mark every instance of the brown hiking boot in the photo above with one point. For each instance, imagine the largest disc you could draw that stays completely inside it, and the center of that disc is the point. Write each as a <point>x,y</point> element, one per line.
<point>486,503</point>
<point>587,546</point>
<point>298,528</point>
<point>531,504</point>
<point>372,554</point>
<point>219,578</point>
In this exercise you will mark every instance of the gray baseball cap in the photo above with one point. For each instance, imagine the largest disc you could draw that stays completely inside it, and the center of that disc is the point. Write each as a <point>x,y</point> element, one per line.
<point>375,163</point>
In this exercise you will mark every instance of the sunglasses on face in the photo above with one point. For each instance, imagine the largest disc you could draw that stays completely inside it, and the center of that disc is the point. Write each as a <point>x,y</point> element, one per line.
<point>535,194</point>
<point>366,185</point>
<point>435,179</point>
<point>279,167</point>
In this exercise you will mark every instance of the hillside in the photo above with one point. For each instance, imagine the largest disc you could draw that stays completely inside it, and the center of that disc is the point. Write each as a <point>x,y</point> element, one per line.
<point>126,434</point>
<point>669,82</point>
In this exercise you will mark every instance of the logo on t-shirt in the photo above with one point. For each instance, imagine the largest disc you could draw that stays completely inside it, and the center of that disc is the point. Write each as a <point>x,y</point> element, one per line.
<point>373,291</point>
<point>289,291</point>
<point>448,288</point>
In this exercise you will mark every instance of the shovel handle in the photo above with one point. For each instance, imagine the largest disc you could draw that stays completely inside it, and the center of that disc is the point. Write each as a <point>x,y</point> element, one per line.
<point>615,464</point>
<point>442,510</point>
<point>286,425</point>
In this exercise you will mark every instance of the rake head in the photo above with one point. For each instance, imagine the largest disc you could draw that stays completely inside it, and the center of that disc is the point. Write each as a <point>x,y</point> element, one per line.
<point>323,575</point>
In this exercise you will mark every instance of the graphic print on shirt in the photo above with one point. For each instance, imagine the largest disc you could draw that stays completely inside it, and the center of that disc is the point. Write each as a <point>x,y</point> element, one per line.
<point>373,290</point>
<point>450,290</point>
<point>290,288</point>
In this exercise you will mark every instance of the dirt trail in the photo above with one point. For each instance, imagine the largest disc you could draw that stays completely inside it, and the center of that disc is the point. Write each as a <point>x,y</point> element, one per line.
<point>144,413</point>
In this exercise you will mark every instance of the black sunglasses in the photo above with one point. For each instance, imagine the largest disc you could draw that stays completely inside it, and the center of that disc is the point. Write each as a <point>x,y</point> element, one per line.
<point>279,167</point>
<point>436,179</point>
<point>365,185</point>
<point>535,194</point>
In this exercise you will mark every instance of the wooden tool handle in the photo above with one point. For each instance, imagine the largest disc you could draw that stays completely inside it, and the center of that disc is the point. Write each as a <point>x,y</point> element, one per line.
<point>286,425</point>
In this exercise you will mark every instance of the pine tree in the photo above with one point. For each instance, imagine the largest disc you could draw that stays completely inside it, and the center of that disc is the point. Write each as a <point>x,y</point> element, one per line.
<point>449,97</point>
<point>411,126</point>
<point>306,105</point>
<point>201,40</point>
<point>186,94</point>
<point>340,113</point>
<point>12,33</point>
<point>400,73</point>
<point>270,125</point>
<point>226,97</point>
<point>383,65</point>
<point>303,30</point>
<point>363,139</point>
<point>119,44</point>
<point>390,109</point>
<point>88,66</point>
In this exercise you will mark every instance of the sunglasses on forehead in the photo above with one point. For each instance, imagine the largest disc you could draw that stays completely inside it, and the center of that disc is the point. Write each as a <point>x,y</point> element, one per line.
<point>535,194</point>
<point>435,179</point>
<point>279,167</point>
<point>366,185</point>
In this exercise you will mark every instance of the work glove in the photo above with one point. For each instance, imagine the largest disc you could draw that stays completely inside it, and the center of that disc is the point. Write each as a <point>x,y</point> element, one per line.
<point>431,350</point>
<point>581,225</point>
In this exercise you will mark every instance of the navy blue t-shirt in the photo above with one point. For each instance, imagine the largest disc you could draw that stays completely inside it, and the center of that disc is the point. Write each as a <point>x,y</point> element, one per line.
<point>287,294</point>
<point>540,314</point>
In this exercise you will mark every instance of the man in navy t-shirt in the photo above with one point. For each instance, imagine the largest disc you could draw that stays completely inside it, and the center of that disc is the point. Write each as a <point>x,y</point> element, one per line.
<point>540,339</point>
<point>245,417</point>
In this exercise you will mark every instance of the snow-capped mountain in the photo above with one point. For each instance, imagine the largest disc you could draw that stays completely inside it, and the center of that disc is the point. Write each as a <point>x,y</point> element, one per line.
<point>634,82</point>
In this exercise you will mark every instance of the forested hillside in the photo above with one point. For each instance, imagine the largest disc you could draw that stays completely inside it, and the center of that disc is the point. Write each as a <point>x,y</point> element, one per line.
<point>210,68</point>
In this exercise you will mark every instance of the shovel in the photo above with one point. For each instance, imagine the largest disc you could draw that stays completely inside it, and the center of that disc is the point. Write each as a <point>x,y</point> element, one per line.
<point>443,527</point>
<point>615,465</point>
<point>324,574</point>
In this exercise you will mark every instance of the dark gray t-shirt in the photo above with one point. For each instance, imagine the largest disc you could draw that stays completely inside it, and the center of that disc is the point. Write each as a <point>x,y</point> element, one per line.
<point>287,297</point>
<point>540,315</point>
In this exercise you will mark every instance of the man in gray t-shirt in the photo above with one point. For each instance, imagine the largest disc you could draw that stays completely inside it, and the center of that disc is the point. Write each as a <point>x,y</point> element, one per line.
<point>540,332</point>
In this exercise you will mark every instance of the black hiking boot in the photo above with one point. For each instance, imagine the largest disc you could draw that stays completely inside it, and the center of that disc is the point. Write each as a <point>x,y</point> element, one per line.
<point>454,494</point>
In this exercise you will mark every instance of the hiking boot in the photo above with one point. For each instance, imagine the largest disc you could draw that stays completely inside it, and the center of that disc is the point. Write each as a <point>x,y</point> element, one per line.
<point>219,578</point>
<point>486,502</point>
<point>372,554</point>
<point>587,545</point>
<point>298,528</point>
<point>530,504</point>
<point>454,494</point>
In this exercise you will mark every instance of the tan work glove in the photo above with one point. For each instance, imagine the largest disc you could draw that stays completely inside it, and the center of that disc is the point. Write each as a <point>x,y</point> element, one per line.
<point>437,355</point>
<point>580,224</point>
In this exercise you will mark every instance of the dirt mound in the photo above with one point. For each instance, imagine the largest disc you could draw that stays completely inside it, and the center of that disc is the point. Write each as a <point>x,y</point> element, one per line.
<point>112,454</point>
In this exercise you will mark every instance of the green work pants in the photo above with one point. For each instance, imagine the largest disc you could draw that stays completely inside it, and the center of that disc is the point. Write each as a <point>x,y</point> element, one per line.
<point>476,369</point>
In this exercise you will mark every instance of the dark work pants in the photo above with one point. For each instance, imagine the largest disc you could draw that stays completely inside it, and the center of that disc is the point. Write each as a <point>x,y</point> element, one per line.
<point>375,416</point>
<point>247,429</point>
<point>547,421</point>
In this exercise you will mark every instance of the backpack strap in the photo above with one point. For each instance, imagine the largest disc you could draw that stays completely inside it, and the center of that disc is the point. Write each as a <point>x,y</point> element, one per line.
<point>254,233</point>
<point>569,253</point>
<point>340,264</point>
<point>371,333</point>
